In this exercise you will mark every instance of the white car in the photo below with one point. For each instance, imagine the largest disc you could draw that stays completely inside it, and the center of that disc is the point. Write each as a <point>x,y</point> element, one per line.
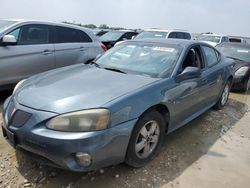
<point>213,39</point>
<point>163,33</point>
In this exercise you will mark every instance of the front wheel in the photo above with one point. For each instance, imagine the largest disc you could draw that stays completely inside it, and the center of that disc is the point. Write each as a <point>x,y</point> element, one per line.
<point>224,96</point>
<point>146,139</point>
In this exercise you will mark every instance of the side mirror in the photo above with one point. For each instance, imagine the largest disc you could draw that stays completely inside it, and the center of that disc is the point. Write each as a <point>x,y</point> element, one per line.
<point>189,73</point>
<point>9,40</point>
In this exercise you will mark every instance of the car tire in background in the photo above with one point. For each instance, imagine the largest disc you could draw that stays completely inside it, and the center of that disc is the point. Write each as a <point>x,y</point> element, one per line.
<point>224,96</point>
<point>146,139</point>
<point>246,85</point>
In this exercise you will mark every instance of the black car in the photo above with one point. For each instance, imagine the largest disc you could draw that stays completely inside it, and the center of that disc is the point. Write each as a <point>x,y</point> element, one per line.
<point>241,54</point>
<point>110,38</point>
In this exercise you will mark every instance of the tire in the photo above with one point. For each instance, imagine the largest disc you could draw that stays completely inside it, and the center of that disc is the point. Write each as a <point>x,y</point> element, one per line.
<point>144,144</point>
<point>246,85</point>
<point>224,96</point>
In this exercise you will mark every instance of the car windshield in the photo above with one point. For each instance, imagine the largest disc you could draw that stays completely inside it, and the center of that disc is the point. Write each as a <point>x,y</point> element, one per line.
<point>235,52</point>
<point>111,36</point>
<point>152,34</point>
<point>210,38</point>
<point>5,23</point>
<point>147,59</point>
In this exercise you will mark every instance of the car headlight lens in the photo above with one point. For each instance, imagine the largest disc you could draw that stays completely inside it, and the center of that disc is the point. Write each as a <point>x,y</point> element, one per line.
<point>241,71</point>
<point>18,85</point>
<point>81,121</point>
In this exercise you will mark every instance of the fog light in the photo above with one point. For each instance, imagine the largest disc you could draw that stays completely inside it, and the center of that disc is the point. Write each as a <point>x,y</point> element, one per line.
<point>83,159</point>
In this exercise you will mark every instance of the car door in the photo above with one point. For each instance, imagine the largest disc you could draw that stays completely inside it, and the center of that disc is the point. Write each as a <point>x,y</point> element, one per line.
<point>71,46</point>
<point>213,75</point>
<point>33,53</point>
<point>187,96</point>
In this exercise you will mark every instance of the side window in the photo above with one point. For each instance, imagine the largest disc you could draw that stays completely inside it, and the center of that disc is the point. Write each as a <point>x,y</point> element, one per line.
<point>84,37</point>
<point>180,35</point>
<point>173,35</point>
<point>128,35</point>
<point>32,34</point>
<point>211,55</point>
<point>69,35</point>
<point>187,36</point>
<point>193,59</point>
<point>15,33</point>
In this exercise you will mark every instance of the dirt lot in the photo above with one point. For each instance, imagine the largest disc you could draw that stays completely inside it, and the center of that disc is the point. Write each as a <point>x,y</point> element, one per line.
<point>212,151</point>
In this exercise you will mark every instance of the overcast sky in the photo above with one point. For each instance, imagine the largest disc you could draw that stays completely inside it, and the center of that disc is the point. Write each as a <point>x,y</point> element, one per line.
<point>220,16</point>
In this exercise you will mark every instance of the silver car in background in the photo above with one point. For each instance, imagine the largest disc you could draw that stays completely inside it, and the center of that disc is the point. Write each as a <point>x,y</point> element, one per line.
<point>31,47</point>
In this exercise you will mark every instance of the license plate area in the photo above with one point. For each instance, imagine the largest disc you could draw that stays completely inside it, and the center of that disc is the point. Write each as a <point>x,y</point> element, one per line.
<point>10,137</point>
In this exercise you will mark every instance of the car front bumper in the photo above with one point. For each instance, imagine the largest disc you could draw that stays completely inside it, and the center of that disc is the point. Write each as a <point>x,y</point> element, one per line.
<point>238,83</point>
<point>106,147</point>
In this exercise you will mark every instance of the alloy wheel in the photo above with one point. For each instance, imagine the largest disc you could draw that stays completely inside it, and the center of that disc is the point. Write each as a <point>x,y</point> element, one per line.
<point>147,139</point>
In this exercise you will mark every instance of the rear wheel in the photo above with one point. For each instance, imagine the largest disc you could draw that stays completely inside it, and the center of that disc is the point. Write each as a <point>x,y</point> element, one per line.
<point>146,139</point>
<point>224,96</point>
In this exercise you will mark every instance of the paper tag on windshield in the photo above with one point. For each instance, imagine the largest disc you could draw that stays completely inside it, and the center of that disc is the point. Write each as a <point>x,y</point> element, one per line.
<point>164,49</point>
<point>243,51</point>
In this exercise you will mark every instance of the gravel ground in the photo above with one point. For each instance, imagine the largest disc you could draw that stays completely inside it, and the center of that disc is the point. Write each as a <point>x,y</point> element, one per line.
<point>182,153</point>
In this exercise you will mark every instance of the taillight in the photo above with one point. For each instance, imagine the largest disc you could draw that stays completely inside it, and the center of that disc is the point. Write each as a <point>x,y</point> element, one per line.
<point>104,47</point>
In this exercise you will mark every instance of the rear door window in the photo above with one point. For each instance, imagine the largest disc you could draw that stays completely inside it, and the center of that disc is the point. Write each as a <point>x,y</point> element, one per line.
<point>70,35</point>
<point>211,55</point>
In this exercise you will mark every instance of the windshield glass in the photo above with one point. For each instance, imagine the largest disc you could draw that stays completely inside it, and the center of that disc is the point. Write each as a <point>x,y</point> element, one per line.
<point>5,23</point>
<point>235,52</point>
<point>141,58</point>
<point>210,38</point>
<point>111,36</point>
<point>152,34</point>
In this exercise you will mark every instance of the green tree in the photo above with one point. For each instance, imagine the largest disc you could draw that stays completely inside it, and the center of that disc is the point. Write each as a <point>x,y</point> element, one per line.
<point>103,26</point>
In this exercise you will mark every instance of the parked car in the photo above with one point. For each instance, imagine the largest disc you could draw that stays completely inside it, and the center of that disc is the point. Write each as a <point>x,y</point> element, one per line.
<point>110,38</point>
<point>100,32</point>
<point>85,117</point>
<point>163,33</point>
<point>241,54</point>
<point>31,47</point>
<point>213,39</point>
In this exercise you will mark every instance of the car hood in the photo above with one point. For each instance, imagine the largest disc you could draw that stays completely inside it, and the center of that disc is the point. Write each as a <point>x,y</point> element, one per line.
<point>77,87</point>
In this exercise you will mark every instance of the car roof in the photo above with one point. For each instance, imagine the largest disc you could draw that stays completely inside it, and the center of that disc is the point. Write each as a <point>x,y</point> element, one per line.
<point>166,30</point>
<point>235,44</point>
<point>30,21</point>
<point>122,31</point>
<point>213,34</point>
<point>181,42</point>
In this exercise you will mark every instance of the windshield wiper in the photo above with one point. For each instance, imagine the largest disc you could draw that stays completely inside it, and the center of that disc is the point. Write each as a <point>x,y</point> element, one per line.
<point>234,58</point>
<point>114,69</point>
<point>92,63</point>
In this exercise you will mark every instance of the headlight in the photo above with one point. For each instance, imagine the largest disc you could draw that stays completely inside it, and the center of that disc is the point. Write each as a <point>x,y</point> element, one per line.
<point>18,85</point>
<point>81,121</point>
<point>241,71</point>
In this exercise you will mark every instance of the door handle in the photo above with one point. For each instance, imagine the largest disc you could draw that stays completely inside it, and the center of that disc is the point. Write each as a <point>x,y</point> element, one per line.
<point>82,48</point>
<point>47,52</point>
